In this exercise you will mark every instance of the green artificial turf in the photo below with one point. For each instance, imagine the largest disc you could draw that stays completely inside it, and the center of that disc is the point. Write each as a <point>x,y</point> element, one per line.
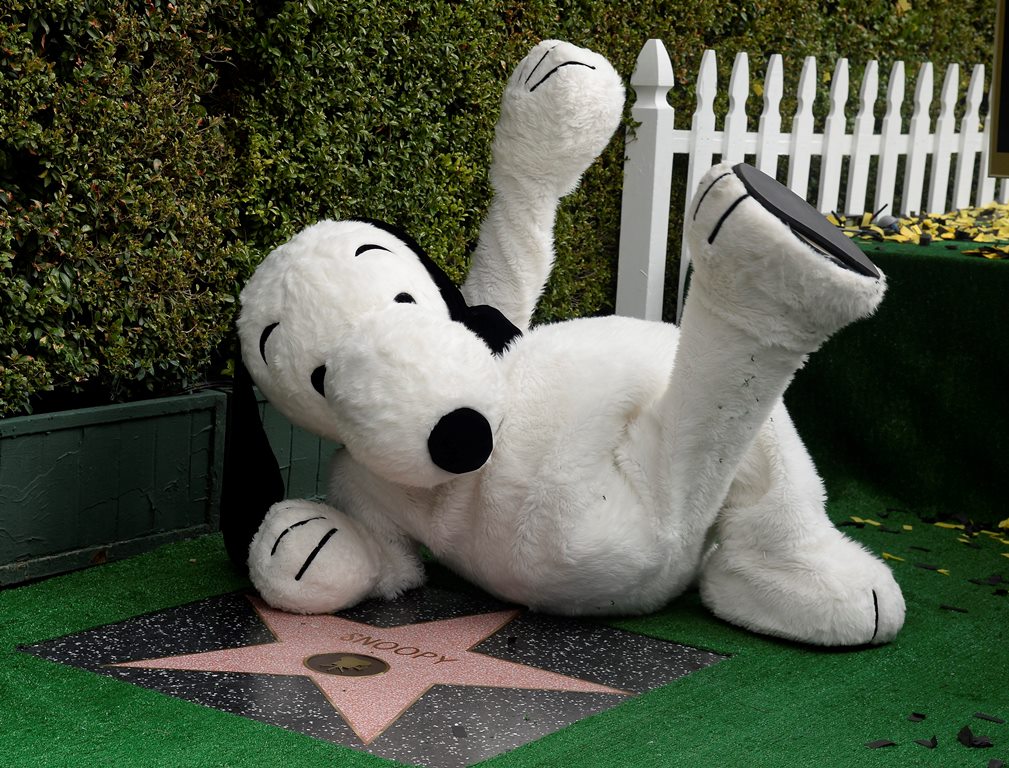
<point>771,704</point>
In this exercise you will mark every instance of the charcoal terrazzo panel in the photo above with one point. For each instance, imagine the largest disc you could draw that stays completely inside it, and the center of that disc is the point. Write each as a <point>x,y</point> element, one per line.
<point>456,726</point>
<point>447,726</point>
<point>293,703</point>
<point>596,653</point>
<point>224,621</point>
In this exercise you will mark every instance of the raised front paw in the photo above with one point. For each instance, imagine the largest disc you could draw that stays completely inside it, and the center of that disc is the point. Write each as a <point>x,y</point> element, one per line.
<point>310,558</point>
<point>829,592</point>
<point>559,110</point>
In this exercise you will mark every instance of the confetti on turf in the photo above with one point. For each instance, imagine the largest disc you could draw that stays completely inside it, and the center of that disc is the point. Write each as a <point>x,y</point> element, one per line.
<point>988,226</point>
<point>954,526</point>
<point>930,743</point>
<point>967,737</point>
<point>1004,524</point>
<point>908,527</point>
<point>888,556</point>
<point>881,743</point>
<point>989,718</point>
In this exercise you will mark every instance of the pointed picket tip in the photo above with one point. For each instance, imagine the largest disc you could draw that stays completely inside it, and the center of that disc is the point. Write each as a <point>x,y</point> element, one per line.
<point>975,88</point>
<point>923,87</point>
<point>950,87</point>
<point>774,80</point>
<point>807,81</point>
<point>895,89</point>
<point>707,82</point>
<point>870,85</point>
<point>653,66</point>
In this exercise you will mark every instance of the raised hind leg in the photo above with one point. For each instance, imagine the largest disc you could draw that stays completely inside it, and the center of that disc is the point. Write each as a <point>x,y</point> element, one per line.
<point>767,290</point>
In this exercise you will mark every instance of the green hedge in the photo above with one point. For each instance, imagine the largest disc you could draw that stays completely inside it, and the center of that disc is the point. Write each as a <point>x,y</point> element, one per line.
<point>151,153</point>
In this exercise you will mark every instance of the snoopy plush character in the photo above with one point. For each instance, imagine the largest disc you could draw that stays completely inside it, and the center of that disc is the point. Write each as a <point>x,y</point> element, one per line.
<point>594,466</point>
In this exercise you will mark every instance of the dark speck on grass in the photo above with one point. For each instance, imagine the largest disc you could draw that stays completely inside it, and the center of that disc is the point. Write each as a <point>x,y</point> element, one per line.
<point>881,743</point>
<point>989,718</point>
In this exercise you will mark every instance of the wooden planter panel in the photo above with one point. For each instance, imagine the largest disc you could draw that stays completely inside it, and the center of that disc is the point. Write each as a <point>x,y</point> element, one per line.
<point>84,486</point>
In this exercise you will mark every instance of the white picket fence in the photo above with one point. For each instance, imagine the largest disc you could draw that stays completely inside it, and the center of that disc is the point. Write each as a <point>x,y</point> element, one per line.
<point>651,148</point>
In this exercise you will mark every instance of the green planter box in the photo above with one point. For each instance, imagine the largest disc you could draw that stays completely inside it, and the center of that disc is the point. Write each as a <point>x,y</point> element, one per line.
<point>85,486</point>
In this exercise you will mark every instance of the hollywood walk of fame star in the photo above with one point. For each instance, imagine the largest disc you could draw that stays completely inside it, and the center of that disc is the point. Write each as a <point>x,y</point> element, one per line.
<point>418,656</point>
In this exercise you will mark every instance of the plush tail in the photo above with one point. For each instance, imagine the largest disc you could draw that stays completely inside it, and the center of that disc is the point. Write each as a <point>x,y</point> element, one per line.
<point>252,480</point>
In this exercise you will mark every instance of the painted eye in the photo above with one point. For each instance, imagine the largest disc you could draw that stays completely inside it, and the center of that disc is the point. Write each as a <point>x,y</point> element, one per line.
<point>319,380</point>
<point>405,298</point>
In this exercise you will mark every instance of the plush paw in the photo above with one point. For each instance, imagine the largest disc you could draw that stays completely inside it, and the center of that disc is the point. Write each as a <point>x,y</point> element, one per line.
<point>766,261</point>
<point>559,110</point>
<point>832,592</point>
<point>311,558</point>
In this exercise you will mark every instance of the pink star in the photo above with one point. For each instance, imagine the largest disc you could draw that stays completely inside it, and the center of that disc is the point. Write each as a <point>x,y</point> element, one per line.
<point>418,656</point>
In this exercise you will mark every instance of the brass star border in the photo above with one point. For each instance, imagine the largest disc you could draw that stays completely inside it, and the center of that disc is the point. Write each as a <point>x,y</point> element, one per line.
<point>437,678</point>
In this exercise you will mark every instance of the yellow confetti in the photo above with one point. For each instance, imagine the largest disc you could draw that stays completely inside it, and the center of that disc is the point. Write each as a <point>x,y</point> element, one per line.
<point>957,526</point>
<point>943,571</point>
<point>1005,554</point>
<point>888,556</point>
<point>872,522</point>
<point>857,519</point>
<point>908,527</point>
<point>1004,524</point>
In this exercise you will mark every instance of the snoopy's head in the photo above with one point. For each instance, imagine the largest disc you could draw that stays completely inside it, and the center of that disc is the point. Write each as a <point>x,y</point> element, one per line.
<point>353,333</point>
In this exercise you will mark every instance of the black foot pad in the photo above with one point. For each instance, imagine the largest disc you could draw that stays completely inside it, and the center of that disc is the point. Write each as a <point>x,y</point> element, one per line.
<point>807,222</point>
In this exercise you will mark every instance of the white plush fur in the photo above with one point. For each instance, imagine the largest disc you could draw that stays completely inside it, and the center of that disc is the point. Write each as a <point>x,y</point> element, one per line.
<point>630,459</point>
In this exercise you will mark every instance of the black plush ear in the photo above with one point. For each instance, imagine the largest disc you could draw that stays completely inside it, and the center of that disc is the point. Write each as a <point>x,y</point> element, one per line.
<point>492,326</point>
<point>252,481</point>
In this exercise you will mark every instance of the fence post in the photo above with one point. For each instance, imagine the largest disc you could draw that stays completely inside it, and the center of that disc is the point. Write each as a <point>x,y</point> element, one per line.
<point>917,148</point>
<point>700,149</point>
<point>886,171</point>
<point>801,140</point>
<point>861,141</point>
<point>970,140</point>
<point>648,168</point>
<point>942,145</point>
<point>833,136</point>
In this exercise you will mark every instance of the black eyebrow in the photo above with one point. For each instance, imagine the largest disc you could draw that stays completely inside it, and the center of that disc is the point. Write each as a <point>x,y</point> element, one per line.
<point>370,247</point>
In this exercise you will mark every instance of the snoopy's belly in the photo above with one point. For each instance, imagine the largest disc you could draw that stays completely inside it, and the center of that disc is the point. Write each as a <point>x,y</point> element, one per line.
<point>567,518</point>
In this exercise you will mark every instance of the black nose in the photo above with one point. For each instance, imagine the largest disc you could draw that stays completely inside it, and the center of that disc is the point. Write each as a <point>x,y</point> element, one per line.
<point>461,441</point>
